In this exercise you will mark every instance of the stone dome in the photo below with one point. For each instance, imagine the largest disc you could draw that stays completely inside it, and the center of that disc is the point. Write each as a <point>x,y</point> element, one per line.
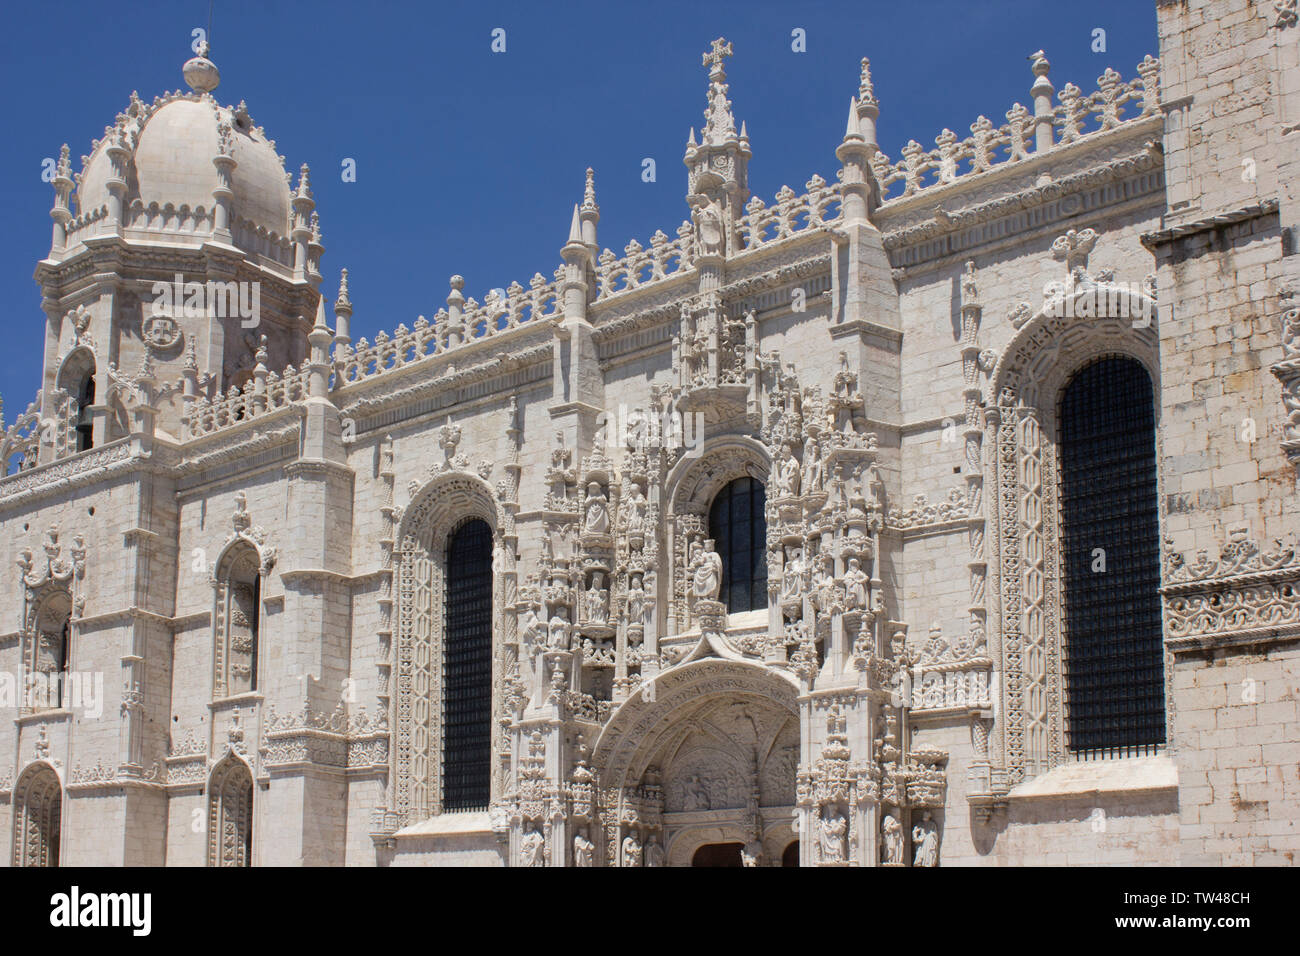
<point>170,173</point>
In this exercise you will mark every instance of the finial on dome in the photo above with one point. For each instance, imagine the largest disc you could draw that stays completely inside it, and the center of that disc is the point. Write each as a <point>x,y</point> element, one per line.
<point>201,73</point>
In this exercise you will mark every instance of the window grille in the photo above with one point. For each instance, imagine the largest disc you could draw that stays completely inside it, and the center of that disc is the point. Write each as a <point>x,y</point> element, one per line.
<point>467,670</point>
<point>1114,661</point>
<point>738,527</point>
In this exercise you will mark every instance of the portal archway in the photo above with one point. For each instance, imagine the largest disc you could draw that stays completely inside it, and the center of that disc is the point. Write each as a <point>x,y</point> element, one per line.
<point>704,754</point>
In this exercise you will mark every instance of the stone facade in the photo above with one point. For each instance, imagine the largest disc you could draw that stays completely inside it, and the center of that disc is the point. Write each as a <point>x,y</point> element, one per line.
<point>241,531</point>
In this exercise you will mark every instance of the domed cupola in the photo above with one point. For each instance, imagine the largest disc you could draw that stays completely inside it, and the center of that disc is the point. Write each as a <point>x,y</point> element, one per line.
<point>182,252</point>
<point>184,167</point>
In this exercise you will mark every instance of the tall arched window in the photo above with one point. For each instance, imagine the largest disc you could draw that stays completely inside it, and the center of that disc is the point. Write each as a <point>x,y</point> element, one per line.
<point>230,814</point>
<point>51,651</point>
<point>238,620</point>
<point>1114,664</point>
<point>38,803</point>
<point>467,669</point>
<point>738,527</point>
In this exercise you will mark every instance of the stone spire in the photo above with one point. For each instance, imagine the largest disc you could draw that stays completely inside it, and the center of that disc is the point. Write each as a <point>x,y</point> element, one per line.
<point>868,106</point>
<point>343,314</point>
<point>719,124</point>
<point>60,212</point>
<point>589,213</point>
<point>717,181</point>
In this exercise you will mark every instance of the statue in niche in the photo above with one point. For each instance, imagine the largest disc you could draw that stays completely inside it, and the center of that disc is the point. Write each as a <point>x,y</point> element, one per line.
<point>654,852</point>
<point>582,850</point>
<point>638,604</point>
<point>708,221</point>
<point>695,797</point>
<point>925,842</point>
<point>558,630</point>
<point>792,574</point>
<point>751,853</point>
<point>856,582</point>
<point>636,511</point>
<point>833,834</point>
<point>824,586</point>
<point>534,631</point>
<point>787,473</point>
<point>892,832</point>
<point>596,511</point>
<point>596,600</point>
<point>631,851</point>
<point>814,472</point>
<point>706,566</point>
<point>531,848</point>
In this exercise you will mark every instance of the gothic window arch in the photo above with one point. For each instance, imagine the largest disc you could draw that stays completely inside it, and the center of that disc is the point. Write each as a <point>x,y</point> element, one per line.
<point>1110,546</point>
<point>38,806</point>
<point>238,621</point>
<point>230,814</point>
<point>738,527</point>
<point>467,670</point>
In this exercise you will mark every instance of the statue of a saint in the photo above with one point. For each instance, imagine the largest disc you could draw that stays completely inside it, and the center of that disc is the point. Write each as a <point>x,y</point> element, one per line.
<point>707,572</point>
<point>631,851</point>
<point>855,586</point>
<point>787,474</point>
<point>531,848</point>
<point>596,511</point>
<point>833,833</point>
<point>892,832</point>
<point>582,850</point>
<point>925,841</point>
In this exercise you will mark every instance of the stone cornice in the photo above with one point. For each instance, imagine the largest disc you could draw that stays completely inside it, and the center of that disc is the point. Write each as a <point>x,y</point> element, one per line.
<point>1161,237</point>
<point>57,478</point>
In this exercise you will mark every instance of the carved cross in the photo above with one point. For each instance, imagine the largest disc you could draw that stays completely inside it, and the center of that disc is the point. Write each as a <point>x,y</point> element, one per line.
<point>713,59</point>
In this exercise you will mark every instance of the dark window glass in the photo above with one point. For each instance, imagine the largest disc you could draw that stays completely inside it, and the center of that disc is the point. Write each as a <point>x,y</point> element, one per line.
<point>738,527</point>
<point>467,670</point>
<point>85,420</point>
<point>1114,660</point>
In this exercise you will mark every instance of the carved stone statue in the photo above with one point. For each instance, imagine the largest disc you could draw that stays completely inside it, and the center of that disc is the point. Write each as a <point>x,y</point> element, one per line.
<point>706,566</point>
<point>751,853</point>
<point>558,631</point>
<point>533,630</point>
<point>925,842</point>
<point>582,850</point>
<point>531,848</point>
<point>787,474</point>
<point>595,511</point>
<point>696,797</point>
<point>636,511</point>
<point>654,853</point>
<point>596,600</point>
<point>792,575</point>
<point>833,833</point>
<point>892,832</point>
<point>631,851</point>
<point>814,471</point>
<point>637,603</point>
<point>855,586</point>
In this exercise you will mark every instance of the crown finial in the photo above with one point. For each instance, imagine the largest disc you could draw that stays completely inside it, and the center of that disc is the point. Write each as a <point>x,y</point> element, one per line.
<point>589,192</point>
<point>866,92</point>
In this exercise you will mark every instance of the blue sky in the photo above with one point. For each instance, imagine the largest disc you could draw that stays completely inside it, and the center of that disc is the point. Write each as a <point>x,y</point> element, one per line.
<point>469,161</point>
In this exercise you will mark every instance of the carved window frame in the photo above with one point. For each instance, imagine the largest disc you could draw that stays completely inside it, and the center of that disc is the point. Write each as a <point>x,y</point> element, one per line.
<point>240,551</point>
<point>436,511</point>
<point>37,813</point>
<point>230,813</point>
<point>1022,434</point>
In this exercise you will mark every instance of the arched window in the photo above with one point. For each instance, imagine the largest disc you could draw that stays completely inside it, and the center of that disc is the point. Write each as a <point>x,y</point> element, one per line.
<point>738,527</point>
<point>467,669</point>
<point>230,814</point>
<point>1114,664</point>
<point>85,418</point>
<point>38,803</point>
<point>239,602</point>
<point>51,651</point>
